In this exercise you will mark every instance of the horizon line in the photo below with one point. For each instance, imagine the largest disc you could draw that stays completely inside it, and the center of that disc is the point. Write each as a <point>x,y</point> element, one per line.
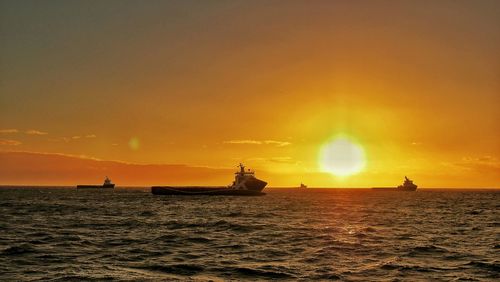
<point>272,187</point>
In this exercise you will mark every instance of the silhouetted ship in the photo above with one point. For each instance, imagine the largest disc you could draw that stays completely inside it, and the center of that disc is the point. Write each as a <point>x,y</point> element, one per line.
<point>302,186</point>
<point>408,185</point>
<point>106,185</point>
<point>245,184</point>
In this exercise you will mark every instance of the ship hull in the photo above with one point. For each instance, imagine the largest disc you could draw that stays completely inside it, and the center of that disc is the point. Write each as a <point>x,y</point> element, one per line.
<point>204,190</point>
<point>395,189</point>
<point>110,186</point>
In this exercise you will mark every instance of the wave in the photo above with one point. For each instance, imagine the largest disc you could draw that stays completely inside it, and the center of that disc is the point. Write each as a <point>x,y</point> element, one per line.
<point>394,266</point>
<point>167,238</point>
<point>430,249</point>
<point>201,240</point>
<point>178,269</point>
<point>19,250</point>
<point>253,272</point>
<point>495,267</point>
<point>147,213</point>
<point>81,278</point>
<point>327,277</point>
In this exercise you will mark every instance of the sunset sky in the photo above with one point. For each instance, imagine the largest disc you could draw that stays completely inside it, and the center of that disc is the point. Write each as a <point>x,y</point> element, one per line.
<point>205,85</point>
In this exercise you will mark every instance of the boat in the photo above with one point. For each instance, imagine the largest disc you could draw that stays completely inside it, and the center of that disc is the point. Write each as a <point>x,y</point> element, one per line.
<point>245,184</point>
<point>106,185</point>
<point>302,186</point>
<point>407,185</point>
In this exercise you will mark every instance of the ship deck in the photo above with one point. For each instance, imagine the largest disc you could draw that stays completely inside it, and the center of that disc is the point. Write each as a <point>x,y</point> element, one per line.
<point>202,190</point>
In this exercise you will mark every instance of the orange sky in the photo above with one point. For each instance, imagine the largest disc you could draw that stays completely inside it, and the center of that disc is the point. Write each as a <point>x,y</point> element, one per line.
<point>212,84</point>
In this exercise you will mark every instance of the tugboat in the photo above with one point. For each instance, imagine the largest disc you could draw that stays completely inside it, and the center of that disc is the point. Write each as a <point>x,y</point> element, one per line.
<point>106,185</point>
<point>302,186</point>
<point>245,184</point>
<point>408,185</point>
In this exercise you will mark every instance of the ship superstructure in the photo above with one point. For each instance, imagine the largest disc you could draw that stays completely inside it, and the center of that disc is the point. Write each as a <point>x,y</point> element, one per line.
<point>407,185</point>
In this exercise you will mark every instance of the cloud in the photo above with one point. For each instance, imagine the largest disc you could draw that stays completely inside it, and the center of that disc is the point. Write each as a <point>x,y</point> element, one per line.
<point>243,142</point>
<point>8,142</point>
<point>64,169</point>
<point>287,160</point>
<point>9,131</point>
<point>35,132</point>
<point>484,164</point>
<point>277,143</point>
<point>253,159</point>
<point>258,142</point>
<point>69,139</point>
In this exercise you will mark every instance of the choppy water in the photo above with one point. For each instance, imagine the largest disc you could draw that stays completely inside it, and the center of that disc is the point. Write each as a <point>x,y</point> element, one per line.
<point>129,234</point>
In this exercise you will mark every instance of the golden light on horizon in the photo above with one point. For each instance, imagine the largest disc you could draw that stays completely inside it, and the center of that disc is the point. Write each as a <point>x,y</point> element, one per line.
<point>342,157</point>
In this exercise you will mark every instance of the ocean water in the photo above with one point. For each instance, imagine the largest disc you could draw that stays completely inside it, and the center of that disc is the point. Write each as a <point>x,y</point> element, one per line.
<point>316,234</point>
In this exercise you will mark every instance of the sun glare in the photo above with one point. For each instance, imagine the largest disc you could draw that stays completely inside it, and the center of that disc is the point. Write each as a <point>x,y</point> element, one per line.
<point>342,157</point>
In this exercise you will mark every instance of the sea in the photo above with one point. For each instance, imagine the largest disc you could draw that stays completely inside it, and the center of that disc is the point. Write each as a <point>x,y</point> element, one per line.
<point>128,234</point>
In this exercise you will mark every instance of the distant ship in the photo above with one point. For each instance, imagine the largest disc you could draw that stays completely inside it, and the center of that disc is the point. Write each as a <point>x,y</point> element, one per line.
<point>106,185</point>
<point>245,184</point>
<point>302,186</point>
<point>408,185</point>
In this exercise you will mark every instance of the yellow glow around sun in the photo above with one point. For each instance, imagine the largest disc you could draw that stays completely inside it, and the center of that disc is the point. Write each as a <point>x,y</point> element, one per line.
<point>342,157</point>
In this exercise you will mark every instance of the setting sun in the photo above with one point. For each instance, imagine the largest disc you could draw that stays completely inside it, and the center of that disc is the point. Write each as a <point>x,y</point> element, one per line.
<point>342,157</point>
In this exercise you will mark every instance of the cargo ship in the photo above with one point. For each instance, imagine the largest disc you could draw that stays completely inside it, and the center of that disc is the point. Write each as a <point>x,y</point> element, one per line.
<point>106,185</point>
<point>408,185</point>
<point>245,184</point>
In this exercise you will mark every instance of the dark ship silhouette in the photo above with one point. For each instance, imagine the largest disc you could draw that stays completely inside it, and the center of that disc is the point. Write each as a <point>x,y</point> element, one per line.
<point>245,184</point>
<point>106,185</point>
<point>408,185</point>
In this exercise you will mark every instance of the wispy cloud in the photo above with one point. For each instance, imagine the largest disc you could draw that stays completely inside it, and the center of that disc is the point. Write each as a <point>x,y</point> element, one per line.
<point>73,138</point>
<point>8,142</point>
<point>259,142</point>
<point>480,161</point>
<point>9,131</point>
<point>255,142</point>
<point>277,143</point>
<point>287,160</point>
<point>35,132</point>
<point>29,132</point>
<point>482,164</point>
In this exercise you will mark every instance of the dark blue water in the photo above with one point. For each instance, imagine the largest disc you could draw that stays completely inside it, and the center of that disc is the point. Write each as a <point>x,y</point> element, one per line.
<point>130,235</point>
